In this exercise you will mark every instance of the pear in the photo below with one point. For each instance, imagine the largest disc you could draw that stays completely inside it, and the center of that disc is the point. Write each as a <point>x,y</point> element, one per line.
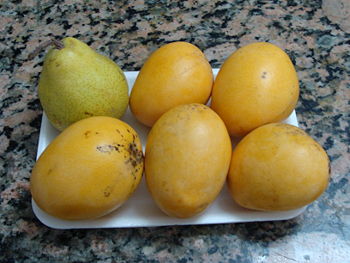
<point>76,82</point>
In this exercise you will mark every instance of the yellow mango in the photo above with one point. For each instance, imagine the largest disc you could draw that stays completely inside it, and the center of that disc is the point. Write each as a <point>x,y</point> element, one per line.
<point>256,85</point>
<point>277,167</point>
<point>88,170</point>
<point>187,159</point>
<point>176,73</point>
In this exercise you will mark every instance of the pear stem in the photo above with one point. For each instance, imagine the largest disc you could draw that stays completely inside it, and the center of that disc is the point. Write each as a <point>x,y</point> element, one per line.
<point>52,42</point>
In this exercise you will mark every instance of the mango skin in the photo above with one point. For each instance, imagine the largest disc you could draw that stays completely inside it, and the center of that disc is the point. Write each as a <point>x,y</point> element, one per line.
<point>176,73</point>
<point>277,167</point>
<point>256,85</point>
<point>187,159</point>
<point>88,170</point>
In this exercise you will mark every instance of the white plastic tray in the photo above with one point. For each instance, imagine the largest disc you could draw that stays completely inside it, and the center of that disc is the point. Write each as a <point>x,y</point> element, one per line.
<point>140,210</point>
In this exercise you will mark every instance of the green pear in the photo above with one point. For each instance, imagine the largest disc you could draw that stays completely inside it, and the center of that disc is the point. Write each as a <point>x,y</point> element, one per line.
<point>76,83</point>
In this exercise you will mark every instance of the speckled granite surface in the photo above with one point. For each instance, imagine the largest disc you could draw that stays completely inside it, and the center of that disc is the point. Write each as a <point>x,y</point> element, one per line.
<point>317,37</point>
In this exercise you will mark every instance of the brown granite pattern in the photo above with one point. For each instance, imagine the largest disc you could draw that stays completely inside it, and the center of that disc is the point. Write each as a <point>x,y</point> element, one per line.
<point>317,37</point>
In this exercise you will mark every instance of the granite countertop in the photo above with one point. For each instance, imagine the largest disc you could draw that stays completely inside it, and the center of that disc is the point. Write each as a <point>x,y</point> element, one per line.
<point>316,36</point>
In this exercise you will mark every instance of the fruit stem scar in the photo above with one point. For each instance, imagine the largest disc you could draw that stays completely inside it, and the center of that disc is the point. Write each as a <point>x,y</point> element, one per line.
<point>56,43</point>
<point>107,191</point>
<point>87,134</point>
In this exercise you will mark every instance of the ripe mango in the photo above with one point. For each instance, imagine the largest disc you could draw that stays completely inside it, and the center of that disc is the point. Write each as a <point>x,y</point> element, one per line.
<point>176,73</point>
<point>88,170</point>
<point>187,159</point>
